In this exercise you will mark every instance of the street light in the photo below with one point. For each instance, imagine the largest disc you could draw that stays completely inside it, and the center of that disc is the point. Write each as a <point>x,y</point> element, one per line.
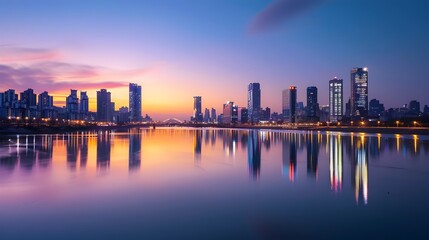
<point>397,123</point>
<point>378,123</point>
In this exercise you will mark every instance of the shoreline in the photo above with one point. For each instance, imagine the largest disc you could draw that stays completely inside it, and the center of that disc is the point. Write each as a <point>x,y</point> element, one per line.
<point>125,128</point>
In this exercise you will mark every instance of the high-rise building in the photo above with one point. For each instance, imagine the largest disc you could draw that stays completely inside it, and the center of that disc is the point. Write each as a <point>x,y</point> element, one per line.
<point>359,92</point>
<point>244,115</point>
<point>214,118</point>
<point>292,104</point>
<point>375,108</point>
<point>135,102</point>
<point>28,98</point>
<point>206,115</point>
<point>83,105</point>
<point>285,104</point>
<point>254,102</point>
<point>198,115</point>
<point>104,106</point>
<point>415,107</point>
<point>230,113</point>
<point>72,105</point>
<point>10,99</point>
<point>335,99</point>
<point>124,114</point>
<point>45,105</point>
<point>312,104</point>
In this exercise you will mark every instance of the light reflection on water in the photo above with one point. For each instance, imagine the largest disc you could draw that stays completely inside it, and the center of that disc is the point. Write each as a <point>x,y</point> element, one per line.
<point>328,168</point>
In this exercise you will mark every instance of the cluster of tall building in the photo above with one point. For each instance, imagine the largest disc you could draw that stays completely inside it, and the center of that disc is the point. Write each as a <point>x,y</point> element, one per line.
<point>356,108</point>
<point>31,106</point>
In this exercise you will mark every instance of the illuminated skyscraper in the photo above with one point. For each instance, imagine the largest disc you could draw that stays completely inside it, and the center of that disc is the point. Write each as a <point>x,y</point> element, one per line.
<point>292,104</point>
<point>254,102</point>
<point>198,115</point>
<point>335,99</point>
<point>359,92</point>
<point>135,102</point>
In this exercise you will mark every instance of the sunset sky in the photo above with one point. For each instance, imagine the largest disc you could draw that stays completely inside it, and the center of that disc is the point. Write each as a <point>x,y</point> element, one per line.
<point>178,49</point>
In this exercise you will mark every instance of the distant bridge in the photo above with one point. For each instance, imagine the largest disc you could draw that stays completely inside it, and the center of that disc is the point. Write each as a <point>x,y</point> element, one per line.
<point>172,121</point>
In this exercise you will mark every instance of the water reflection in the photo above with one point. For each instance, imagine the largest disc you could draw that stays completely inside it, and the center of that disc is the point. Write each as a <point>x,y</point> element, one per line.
<point>103,152</point>
<point>327,155</point>
<point>254,153</point>
<point>134,153</point>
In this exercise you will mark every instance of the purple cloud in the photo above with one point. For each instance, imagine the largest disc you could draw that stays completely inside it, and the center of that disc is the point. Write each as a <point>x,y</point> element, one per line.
<point>10,53</point>
<point>278,12</point>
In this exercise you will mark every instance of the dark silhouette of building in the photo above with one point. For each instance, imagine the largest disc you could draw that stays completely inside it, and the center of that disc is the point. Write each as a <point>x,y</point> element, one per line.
<point>312,104</point>
<point>198,115</point>
<point>414,107</point>
<point>359,92</point>
<point>213,115</point>
<point>104,106</point>
<point>375,108</point>
<point>292,103</point>
<point>244,115</point>
<point>84,106</point>
<point>135,102</point>
<point>72,105</point>
<point>46,105</point>
<point>206,115</point>
<point>254,102</point>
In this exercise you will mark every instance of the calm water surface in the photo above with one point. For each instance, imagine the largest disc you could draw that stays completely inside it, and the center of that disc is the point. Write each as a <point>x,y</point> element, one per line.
<point>213,184</point>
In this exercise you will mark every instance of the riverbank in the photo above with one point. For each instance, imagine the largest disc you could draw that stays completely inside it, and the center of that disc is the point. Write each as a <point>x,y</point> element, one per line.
<point>64,129</point>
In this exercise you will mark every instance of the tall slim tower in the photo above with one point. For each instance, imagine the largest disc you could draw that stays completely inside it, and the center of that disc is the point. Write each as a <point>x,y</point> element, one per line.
<point>198,115</point>
<point>335,99</point>
<point>359,92</point>
<point>104,106</point>
<point>254,102</point>
<point>83,105</point>
<point>285,104</point>
<point>135,102</point>
<point>72,105</point>
<point>312,104</point>
<point>292,104</point>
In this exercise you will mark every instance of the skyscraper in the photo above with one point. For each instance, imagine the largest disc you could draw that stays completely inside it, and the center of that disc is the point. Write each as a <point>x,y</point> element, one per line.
<point>254,102</point>
<point>312,104</point>
<point>230,113</point>
<point>45,105</point>
<point>292,104</point>
<point>285,104</point>
<point>335,99</point>
<point>135,102</point>
<point>359,92</point>
<point>213,116</point>
<point>72,105</point>
<point>198,115</point>
<point>83,105</point>
<point>104,106</point>
<point>206,115</point>
<point>28,98</point>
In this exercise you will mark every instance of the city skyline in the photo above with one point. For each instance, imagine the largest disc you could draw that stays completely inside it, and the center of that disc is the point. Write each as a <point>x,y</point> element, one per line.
<point>245,45</point>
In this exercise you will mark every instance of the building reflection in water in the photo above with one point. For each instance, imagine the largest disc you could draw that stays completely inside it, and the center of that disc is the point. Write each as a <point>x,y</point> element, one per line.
<point>83,148</point>
<point>72,151</point>
<point>198,135</point>
<point>312,155</point>
<point>44,151</point>
<point>336,162</point>
<point>134,153</point>
<point>254,153</point>
<point>360,169</point>
<point>292,157</point>
<point>103,151</point>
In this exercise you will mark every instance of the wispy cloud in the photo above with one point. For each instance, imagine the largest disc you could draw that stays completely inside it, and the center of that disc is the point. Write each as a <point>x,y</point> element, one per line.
<point>44,70</point>
<point>278,12</point>
<point>13,54</point>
